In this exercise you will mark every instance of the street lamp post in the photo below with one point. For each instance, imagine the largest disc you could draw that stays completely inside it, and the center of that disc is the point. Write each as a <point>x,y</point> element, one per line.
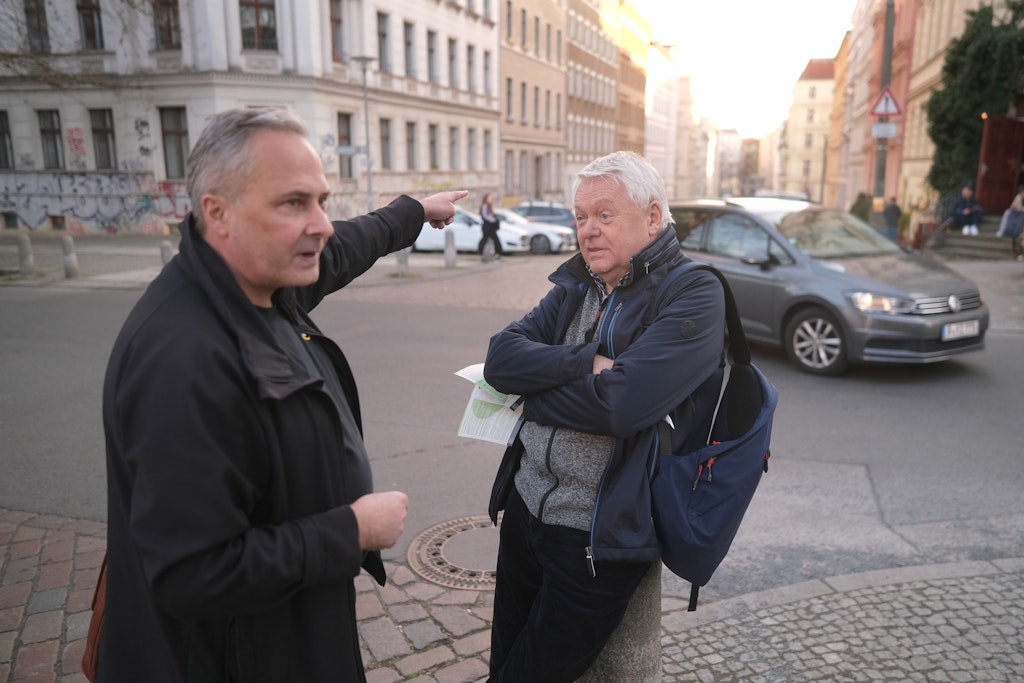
<point>364,62</point>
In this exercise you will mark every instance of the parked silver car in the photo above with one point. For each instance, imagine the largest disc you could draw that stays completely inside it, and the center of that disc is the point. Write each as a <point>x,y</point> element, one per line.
<point>829,288</point>
<point>467,229</point>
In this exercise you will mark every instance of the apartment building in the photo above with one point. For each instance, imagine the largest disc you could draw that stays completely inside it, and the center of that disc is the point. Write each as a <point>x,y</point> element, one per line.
<point>533,61</point>
<point>99,101</point>
<point>807,130</point>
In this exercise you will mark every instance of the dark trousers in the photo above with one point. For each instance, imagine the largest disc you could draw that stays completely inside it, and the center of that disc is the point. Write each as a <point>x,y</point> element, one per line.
<point>551,617</point>
<point>490,231</point>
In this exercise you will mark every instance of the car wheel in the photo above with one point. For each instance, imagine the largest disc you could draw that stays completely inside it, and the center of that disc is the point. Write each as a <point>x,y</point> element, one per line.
<point>539,244</point>
<point>814,342</point>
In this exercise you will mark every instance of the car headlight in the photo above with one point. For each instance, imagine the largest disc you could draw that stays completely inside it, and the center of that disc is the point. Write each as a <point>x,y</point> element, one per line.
<point>869,302</point>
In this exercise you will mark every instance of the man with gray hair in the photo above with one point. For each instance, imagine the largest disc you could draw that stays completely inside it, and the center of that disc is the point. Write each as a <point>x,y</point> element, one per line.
<point>240,499</point>
<point>600,361</point>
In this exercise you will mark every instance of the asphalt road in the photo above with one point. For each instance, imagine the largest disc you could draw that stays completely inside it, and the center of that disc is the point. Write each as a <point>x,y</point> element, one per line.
<point>883,467</point>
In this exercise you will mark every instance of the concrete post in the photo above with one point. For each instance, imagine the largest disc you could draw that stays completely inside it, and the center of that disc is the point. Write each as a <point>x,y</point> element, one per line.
<point>166,252</point>
<point>449,249</point>
<point>634,651</point>
<point>26,262</point>
<point>67,243</point>
<point>402,262</point>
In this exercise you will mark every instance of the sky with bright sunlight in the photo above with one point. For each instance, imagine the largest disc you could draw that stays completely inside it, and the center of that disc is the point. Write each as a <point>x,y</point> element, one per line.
<point>745,56</point>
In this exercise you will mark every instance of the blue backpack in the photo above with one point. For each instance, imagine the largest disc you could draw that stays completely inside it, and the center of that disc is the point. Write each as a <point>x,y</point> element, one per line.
<point>699,498</point>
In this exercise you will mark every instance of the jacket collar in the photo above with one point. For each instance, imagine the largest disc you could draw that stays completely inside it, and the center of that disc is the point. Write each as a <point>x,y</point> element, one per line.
<point>658,252</point>
<point>262,357</point>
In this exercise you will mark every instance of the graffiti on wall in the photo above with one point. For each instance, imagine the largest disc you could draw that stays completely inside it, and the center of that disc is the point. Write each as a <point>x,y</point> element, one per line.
<point>94,202</point>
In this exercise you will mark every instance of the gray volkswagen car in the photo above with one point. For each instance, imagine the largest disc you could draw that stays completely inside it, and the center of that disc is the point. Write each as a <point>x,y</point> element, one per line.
<point>829,288</point>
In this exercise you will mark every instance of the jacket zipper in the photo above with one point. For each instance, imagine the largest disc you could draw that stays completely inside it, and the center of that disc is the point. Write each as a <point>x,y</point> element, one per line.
<point>547,464</point>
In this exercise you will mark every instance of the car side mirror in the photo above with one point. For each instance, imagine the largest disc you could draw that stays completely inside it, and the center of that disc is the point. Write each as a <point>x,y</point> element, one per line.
<point>756,258</point>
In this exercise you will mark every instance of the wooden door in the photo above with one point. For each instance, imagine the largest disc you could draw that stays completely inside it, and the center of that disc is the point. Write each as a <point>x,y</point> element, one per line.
<point>1000,164</point>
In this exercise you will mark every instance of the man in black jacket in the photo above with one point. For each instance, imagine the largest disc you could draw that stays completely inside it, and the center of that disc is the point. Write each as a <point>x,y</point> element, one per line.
<point>241,503</point>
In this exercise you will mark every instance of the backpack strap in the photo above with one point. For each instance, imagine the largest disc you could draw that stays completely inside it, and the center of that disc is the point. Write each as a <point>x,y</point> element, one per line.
<point>737,338</point>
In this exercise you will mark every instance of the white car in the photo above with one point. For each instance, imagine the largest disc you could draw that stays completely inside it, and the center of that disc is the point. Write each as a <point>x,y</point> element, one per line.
<point>545,238</point>
<point>466,227</point>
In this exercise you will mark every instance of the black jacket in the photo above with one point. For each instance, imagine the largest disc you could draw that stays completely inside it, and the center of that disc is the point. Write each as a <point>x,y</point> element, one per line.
<point>668,347</point>
<point>232,548</point>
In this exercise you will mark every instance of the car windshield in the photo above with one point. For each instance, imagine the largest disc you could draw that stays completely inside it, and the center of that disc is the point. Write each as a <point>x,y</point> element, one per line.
<point>825,234</point>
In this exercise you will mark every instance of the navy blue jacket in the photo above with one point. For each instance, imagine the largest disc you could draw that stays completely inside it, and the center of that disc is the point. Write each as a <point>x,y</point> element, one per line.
<point>668,352</point>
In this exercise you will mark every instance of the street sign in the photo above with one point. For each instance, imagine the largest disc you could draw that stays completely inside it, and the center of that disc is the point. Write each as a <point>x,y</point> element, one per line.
<point>886,105</point>
<point>349,150</point>
<point>883,130</point>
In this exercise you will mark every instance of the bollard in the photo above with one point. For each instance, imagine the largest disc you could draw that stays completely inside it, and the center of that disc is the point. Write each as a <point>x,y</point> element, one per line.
<point>166,252</point>
<point>633,653</point>
<point>449,249</point>
<point>67,243</point>
<point>402,262</point>
<point>26,262</point>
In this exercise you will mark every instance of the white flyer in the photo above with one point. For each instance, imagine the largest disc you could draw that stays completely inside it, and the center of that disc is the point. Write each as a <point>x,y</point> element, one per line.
<point>490,415</point>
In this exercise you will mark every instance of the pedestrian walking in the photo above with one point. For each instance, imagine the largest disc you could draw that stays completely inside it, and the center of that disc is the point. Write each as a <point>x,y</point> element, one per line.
<point>892,213</point>
<point>489,228</point>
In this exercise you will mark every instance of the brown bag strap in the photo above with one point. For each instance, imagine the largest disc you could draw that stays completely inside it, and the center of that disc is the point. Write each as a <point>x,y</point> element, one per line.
<point>91,656</point>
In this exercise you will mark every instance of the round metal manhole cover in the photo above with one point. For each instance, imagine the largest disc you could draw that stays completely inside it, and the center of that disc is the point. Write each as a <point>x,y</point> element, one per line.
<point>460,553</point>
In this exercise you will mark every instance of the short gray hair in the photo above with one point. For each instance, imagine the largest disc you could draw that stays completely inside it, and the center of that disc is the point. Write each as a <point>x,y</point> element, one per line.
<point>642,182</point>
<point>221,155</point>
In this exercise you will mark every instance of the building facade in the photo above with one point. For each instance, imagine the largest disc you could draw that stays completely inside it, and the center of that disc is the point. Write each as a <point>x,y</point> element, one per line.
<point>102,106</point>
<point>533,66</point>
<point>807,130</point>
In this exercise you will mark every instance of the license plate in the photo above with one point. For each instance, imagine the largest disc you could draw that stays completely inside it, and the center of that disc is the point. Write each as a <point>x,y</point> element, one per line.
<point>968,328</point>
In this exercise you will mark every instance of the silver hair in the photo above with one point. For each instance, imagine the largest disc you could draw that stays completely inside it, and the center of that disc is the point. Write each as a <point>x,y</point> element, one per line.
<point>641,180</point>
<point>222,155</point>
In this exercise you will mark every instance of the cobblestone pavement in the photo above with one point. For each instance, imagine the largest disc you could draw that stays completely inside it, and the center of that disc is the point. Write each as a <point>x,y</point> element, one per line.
<point>955,622</point>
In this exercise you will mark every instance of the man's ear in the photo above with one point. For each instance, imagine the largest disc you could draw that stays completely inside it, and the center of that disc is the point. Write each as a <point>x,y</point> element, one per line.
<point>654,215</point>
<point>215,209</point>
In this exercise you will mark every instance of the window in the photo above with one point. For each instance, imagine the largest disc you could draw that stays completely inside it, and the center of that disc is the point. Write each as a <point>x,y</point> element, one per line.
<point>471,149</point>
<point>453,148</point>
<point>90,25</point>
<point>35,25</point>
<point>385,144</point>
<point>432,142</point>
<point>174,129</point>
<point>384,42</point>
<point>337,31</point>
<point>488,68</point>
<point>807,168</point>
<point>103,138</point>
<point>471,68</point>
<point>736,236</point>
<point>488,149</point>
<point>810,116</point>
<point>432,74</point>
<point>409,36</point>
<point>410,146</point>
<point>522,104</point>
<point>510,167</point>
<point>166,25</point>
<point>345,140</point>
<point>808,141</point>
<point>547,109</point>
<point>53,143</point>
<point>536,36</point>
<point>522,26</point>
<point>453,63</point>
<point>812,92</point>
<point>508,99</point>
<point>547,42</point>
<point>508,19</point>
<point>6,150</point>
<point>259,24</point>
<point>523,168</point>
<point>536,106</point>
